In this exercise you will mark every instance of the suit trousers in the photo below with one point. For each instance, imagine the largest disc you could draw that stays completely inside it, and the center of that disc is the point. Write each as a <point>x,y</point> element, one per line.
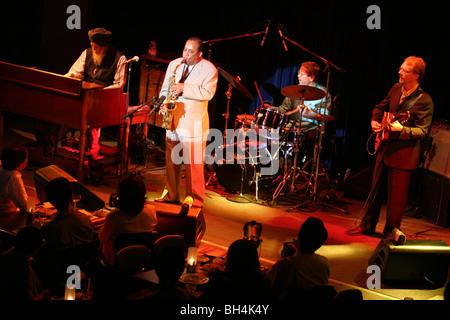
<point>397,182</point>
<point>190,153</point>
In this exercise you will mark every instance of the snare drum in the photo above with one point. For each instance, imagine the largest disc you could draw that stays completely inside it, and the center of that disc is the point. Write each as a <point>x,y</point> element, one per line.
<point>243,121</point>
<point>267,118</point>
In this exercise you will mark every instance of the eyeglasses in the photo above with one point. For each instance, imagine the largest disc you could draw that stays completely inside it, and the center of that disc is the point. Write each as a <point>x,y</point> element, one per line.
<point>405,71</point>
<point>301,74</point>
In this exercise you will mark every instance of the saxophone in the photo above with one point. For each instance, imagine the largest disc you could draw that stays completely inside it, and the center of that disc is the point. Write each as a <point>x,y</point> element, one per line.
<point>170,101</point>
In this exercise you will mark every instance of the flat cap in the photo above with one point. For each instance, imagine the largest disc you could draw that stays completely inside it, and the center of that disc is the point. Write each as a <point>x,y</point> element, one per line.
<point>100,36</point>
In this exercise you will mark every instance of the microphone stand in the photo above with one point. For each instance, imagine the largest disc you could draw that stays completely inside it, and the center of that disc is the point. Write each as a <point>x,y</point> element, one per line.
<point>126,132</point>
<point>126,128</point>
<point>247,35</point>
<point>318,146</point>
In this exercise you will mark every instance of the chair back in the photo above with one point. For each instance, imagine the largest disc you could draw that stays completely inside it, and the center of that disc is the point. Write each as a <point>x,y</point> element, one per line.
<point>133,259</point>
<point>137,238</point>
<point>169,240</point>
<point>349,294</point>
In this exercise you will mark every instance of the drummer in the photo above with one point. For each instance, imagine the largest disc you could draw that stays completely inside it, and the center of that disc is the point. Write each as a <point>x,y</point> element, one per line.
<point>292,107</point>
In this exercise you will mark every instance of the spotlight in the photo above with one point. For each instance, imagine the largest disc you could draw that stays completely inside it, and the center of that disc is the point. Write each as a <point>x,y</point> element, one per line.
<point>252,232</point>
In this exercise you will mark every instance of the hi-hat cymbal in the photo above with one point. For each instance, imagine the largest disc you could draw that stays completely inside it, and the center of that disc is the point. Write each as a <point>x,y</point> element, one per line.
<point>235,82</point>
<point>318,117</point>
<point>302,92</point>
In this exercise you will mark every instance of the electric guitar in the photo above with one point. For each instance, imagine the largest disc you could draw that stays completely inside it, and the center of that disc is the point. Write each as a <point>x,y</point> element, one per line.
<point>388,118</point>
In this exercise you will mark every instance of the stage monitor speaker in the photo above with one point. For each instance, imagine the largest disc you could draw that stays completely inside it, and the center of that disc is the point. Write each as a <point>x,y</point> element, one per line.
<point>424,263</point>
<point>191,226</point>
<point>435,198</point>
<point>89,201</point>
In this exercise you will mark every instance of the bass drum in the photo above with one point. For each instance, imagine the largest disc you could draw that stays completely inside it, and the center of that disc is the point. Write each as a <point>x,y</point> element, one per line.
<point>234,177</point>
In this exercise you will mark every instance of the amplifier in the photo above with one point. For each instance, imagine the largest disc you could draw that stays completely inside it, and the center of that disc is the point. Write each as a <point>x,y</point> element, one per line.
<point>438,157</point>
<point>435,198</point>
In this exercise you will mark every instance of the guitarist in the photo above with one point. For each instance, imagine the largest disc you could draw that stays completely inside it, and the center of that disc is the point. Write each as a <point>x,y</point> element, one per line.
<point>398,156</point>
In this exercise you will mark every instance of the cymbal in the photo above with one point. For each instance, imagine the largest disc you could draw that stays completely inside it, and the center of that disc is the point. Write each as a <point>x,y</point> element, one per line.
<point>235,82</point>
<point>302,92</point>
<point>318,117</point>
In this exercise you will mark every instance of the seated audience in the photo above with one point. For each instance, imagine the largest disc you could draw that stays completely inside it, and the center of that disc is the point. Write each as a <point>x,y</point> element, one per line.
<point>69,231</point>
<point>17,278</point>
<point>133,216</point>
<point>242,278</point>
<point>70,227</point>
<point>13,196</point>
<point>306,273</point>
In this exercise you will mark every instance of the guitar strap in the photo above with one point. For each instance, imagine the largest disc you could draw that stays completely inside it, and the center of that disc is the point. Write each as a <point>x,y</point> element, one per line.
<point>408,104</point>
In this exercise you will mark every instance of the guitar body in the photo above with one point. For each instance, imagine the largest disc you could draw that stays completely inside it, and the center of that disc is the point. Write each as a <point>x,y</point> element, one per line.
<point>388,117</point>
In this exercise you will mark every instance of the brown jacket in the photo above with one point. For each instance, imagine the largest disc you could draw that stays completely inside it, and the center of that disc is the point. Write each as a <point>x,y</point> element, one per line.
<point>402,150</point>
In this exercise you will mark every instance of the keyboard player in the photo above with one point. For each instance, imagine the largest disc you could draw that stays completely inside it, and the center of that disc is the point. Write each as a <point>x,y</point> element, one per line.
<point>101,64</point>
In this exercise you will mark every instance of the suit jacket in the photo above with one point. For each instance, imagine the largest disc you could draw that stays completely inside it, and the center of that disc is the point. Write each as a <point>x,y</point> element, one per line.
<point>402,150</point>
<point>190,117</point>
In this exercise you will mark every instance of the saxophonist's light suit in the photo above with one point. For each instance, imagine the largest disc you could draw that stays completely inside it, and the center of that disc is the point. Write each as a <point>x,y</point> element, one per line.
<point>186,138</point>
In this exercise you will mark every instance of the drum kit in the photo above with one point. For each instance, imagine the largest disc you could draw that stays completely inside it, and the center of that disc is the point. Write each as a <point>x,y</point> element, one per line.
<point>272,125</point>
<point>269,122</point>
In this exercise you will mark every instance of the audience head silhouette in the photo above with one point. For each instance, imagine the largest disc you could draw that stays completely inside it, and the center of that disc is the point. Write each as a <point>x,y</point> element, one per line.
<point>169,265</point>
<point>132,195</point>
<point>311,235</point>
<point>59,193</point>
<point>13,157</point>
<point>242,258</point>
<point>28,241</point>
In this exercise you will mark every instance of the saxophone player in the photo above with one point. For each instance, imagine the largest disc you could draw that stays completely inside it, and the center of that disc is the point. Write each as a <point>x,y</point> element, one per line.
<point>191,82</point>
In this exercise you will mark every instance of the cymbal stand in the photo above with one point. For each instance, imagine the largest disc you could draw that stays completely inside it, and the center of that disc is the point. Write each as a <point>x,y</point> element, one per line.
<point>227,114</point>
<point>286,175</point>
<point>291,172</point>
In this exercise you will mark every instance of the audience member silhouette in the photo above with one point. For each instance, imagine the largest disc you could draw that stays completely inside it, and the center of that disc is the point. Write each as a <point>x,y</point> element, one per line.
<point>64,235</point>
<point>133,216</point>
<point>169,266</point>
<point>70,227</point>
<point>242,279</point>
<point>17,278</point>
<point>13,196</point>
<point>306,273</point>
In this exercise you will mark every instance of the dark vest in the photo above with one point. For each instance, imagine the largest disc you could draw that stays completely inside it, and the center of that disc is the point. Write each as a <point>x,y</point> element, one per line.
<point>103,74</point>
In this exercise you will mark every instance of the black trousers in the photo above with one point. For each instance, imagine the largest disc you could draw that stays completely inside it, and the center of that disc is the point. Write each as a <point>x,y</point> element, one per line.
<point>395,182</point>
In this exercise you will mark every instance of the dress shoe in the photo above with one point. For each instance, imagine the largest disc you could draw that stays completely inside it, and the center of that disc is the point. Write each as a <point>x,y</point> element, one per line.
<point>162,200</point>
<point>359,230</point>
<point>397,236</point>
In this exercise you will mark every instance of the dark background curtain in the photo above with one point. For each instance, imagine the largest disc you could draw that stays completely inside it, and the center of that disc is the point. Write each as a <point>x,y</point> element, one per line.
<point>35,34</point>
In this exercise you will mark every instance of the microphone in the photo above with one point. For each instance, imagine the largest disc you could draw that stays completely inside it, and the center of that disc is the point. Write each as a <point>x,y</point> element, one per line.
<point>265,34</point>
<point>282,39</point>
<point>134,59</point>
<point>159,102</point>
